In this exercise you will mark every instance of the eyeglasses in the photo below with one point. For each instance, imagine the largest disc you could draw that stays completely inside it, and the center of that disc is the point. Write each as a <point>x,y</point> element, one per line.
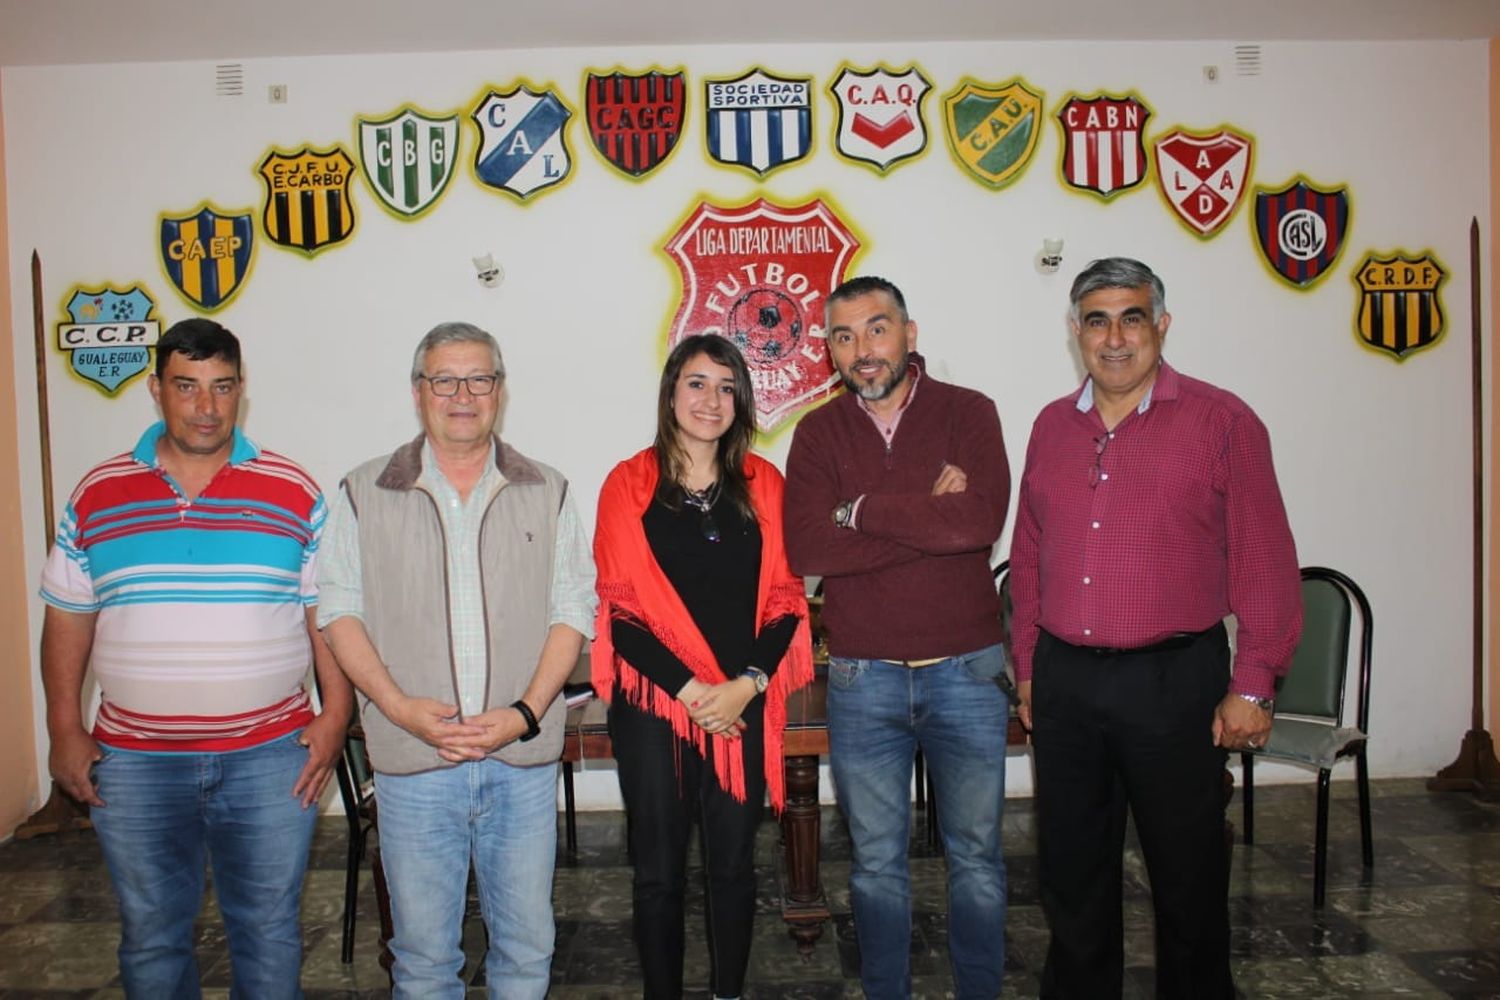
<point>474,385</point>
<point>1096,471</point>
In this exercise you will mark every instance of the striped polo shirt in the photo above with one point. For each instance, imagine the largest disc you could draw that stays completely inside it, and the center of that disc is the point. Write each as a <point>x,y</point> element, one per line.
<point>201,638</point>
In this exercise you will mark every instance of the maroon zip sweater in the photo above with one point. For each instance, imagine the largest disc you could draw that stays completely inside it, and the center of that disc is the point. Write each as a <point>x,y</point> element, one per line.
<point>913,580</point>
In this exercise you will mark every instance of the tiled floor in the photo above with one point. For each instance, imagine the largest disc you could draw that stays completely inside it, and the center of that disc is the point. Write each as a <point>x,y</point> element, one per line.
<point>1426,924</point>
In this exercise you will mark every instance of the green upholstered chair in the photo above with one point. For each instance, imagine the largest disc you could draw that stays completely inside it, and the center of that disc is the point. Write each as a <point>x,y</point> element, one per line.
<point>1309,724</point>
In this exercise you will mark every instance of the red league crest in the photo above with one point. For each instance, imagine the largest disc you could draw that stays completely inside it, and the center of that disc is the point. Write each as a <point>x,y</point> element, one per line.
<point>758,274</point>
<point>1202,175</point>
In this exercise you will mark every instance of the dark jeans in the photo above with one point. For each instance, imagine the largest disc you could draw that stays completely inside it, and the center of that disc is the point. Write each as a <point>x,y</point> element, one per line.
<point>666,786</point>
<point>1132,730</point>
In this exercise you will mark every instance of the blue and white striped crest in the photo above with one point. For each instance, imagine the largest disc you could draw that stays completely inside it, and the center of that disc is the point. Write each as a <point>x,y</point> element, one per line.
<point>759,121</point>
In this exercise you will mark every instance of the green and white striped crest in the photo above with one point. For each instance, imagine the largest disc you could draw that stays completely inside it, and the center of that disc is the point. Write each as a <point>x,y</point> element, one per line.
<point>408,159</point>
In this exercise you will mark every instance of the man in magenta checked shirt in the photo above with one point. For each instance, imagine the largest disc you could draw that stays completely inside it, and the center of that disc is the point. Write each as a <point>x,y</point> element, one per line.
<point>1149,512</point>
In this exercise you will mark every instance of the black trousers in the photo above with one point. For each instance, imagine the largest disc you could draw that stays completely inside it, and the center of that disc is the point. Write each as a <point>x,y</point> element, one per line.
<point>666,786</point>
<point>1132,730</point>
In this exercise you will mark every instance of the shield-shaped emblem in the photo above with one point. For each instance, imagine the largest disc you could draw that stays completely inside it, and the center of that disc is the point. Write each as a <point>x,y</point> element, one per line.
<point>107,334</point>
<point>1202,175</point>
<point>1104,143</point>
<point>635,119</point>
<point>759,121</point>
<point>407,159</point>
<point>1300,229</point>
<point>880,115</point>
<point>1400,311</point>
<point>206,254</point>
<point>993,129</point>
<point>523,146</point>
<point>308,205</point>
<point>758,274</point>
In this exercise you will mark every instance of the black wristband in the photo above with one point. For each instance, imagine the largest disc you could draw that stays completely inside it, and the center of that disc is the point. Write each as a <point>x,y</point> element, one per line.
<point>533,728</point>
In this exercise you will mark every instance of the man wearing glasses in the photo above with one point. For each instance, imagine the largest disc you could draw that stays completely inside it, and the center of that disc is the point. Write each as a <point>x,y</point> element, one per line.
<point>456,592</point>
<point>183,575</point>
<point>895,493</point>
<point>1149,511</point>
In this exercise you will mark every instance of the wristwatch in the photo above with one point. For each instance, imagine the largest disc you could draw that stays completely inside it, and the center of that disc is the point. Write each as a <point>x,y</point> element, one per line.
<point>842,514</point>
<point>758,676</point>
<point>533,730</point>
<point>1267,705</point>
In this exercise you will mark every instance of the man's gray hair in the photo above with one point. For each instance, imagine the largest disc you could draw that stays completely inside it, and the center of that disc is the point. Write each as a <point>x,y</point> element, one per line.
<point>455,333</point>
<point>1117,272</point>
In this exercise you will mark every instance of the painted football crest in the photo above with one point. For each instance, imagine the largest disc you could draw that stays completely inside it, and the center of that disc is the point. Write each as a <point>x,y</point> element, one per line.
<point>108,334</point>
<point>207,253</point>
<point>1301,230</point>
<point>1104,143</point>
<point>635,119</point>
<point>759,121</point>
<point>1400,311</point>
<point>1203,175</point>
<point>523,147</point>
<point>993,129</point>
<point>880,120</point>
<point>308,205</point>
<point>407,159</point>
<point>758,275</point>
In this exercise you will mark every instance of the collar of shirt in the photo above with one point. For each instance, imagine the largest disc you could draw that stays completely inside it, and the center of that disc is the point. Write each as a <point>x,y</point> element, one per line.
<point>1163,386</point>
<point>887,428</point>
<point>436,483</point>
<point>242,450</point>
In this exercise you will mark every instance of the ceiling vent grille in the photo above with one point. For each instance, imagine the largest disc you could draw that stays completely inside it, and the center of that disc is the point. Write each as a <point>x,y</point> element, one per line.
<point>1247,60</point>
<point>229,79</point>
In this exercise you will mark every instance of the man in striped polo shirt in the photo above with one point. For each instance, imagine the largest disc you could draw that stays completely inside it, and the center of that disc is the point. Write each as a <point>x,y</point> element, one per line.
<point>183,574</point>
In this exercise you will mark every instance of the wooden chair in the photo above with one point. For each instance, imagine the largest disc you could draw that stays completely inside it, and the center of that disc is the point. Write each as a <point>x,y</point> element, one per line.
<point>1309,724</point>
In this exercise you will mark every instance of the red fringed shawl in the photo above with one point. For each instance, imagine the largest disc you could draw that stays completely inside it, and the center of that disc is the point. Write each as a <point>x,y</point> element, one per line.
<point>633,587</point>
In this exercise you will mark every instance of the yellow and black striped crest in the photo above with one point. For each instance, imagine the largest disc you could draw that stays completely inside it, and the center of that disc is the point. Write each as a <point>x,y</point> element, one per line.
<point>307,198</point>
<point>1400,311</point>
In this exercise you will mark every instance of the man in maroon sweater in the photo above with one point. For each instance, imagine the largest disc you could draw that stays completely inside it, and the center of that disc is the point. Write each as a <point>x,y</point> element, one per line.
<point>1149,512</point>
<point>896,491</point>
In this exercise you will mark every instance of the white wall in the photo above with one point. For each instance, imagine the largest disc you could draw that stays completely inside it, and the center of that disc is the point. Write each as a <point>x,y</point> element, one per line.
<point>1373,456</point>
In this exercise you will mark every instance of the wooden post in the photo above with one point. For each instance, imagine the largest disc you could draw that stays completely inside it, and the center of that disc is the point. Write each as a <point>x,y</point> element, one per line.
<point>1475,769</point>
<point>61,812</point>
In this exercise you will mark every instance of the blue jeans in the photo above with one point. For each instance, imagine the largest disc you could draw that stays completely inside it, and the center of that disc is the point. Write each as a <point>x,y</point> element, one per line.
<point>164,815</point>
<point>879,713</point>
<point>432,824</point>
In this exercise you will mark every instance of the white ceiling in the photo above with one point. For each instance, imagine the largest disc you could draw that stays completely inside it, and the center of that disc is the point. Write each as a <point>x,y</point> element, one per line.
<point>44,32</point>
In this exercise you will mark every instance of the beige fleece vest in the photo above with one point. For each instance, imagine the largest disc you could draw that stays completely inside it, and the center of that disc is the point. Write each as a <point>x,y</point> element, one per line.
<point>405,584</point>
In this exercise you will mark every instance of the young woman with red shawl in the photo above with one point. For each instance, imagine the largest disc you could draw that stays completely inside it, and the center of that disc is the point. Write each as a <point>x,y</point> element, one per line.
<point>702,633</point>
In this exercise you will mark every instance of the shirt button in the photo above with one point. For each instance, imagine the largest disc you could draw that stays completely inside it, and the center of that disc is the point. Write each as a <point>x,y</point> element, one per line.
<point>1088,631</point>
<point>1087,580</point>
<point>1103,475</point>
<point>1096,525</point>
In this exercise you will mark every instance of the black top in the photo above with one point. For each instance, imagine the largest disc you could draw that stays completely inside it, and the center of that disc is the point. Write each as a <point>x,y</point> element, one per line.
<point>717,582</point>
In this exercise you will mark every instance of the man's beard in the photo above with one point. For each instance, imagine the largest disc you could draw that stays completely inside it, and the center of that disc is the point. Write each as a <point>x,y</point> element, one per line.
<point>877,390</point>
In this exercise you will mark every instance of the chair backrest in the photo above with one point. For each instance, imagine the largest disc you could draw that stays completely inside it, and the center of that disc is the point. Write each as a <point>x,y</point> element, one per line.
<point>358,759</point>
<point>1002,587</point>
<point>1314,685</point>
